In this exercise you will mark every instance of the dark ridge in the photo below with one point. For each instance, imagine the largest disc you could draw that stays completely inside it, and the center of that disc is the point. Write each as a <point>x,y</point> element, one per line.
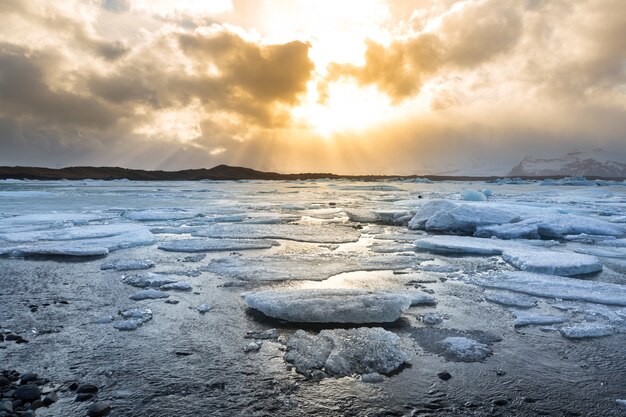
<point>221,172</point>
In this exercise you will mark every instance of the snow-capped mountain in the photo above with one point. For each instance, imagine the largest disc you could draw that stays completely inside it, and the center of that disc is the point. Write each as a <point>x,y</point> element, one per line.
<point>576,163</point>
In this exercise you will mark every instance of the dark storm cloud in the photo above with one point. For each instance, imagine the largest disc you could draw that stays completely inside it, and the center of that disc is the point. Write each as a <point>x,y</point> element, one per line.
<point>24,93</point>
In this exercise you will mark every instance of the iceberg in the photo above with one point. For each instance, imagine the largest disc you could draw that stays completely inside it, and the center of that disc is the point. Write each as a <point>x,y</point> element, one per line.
<point>214,245</point>
<point>330,305</point>
<point>344,352</point>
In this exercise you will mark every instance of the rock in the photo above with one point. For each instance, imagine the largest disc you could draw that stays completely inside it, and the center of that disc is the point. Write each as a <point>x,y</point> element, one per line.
<point>83,397</point>
<point>27,392</point>
<point>4,381</point>
<point>36,404</point>
<point>29,377</point>
<point>28,413</point>
<point>98,409</point>
<point>86,389</point>
<point>50,399</point>
<point>6,406</point>
<point>73,386</point>
<point>444,375</point>
<point>500,402</point>
<point>262,335</point>
<point>432,319</point>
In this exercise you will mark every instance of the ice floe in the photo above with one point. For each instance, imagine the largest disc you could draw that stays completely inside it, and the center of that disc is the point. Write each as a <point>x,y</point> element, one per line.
<point>552,286</point>
<point>344,352</point>
<point>316,267</point>
<point>214,245</point>
<point>511,299</point>
<point>437,266</point>
<point>303,233</point>
<point>330,305</point>
<point>527,256</point>
<point>159,214</point>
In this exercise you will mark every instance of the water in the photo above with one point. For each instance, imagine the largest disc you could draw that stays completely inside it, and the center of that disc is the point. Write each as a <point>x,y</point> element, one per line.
<point>186,363</point>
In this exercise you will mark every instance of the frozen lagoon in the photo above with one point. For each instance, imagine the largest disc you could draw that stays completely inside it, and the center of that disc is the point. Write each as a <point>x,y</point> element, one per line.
<point>183,362</point>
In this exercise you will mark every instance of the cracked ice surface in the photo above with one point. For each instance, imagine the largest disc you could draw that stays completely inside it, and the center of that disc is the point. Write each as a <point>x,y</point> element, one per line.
<point>330,305</point>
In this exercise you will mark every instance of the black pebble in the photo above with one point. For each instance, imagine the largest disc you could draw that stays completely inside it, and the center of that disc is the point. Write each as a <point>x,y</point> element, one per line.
<point>444,375</point>
<point>50,399</point>
<point>4,381</point>
<point>73,386</point>
<point>500,402</point>
<point>29,377</point>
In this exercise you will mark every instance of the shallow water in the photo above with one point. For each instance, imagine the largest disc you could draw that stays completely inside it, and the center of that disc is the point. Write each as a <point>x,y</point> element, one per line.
<point>186,363</point>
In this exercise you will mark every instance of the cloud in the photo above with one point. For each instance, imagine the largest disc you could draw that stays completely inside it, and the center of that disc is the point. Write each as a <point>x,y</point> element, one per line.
<point>464,38</point>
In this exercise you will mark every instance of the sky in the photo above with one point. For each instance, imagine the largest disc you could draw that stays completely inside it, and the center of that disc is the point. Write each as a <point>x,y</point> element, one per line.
<point>344,86</point>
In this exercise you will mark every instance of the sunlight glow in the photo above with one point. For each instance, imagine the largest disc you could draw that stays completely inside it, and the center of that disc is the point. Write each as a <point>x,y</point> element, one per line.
<point>347,108</point>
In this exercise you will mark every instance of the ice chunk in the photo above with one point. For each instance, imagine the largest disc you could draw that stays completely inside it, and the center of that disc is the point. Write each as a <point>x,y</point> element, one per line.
<point>372,378</point>
<point>421,299</point>
<point>149,294</point>
<point>176,286</point>
<point>432,319</point>
<point>511,299</point>
<point>519,230</point>
<point>390,217</point>
<point>437,266</point>
<point>586,331</point>
<point>552,286</point>
<point>464,349</point>
<point>148,280</point>
<point>140,314</point>
<point>550,262</point>
<point>203,308</point>
<point>322,233</point>
<point>211,245</point>
<point>391,247</point>
<point>471,195</point>
<point>302,267</point>
<point>128,264</point>
<point>127,325</point>
<point>487,192</point>
<point>330,305</point>
<point>446,216</point>
<point>524,318</point>
<point>494,219</point>
<point>343,352</point>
